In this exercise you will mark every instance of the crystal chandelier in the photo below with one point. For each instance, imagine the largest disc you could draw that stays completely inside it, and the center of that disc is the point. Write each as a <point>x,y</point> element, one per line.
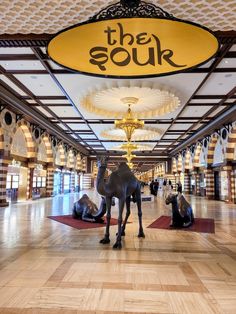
<point>128,124</point>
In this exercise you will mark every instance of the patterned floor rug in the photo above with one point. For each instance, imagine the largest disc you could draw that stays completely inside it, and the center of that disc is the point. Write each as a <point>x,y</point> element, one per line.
<point>204,225</point>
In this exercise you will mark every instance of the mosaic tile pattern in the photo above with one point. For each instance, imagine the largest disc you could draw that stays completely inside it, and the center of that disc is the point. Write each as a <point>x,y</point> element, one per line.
<point>36,16</point>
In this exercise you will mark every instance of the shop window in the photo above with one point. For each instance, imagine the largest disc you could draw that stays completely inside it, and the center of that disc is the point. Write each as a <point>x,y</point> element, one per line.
<point>15,182</point>
<point>43,182</point>
<point>12,181</point>
<point>57,183</point>
<point>8,185</point>
<point>39,182</point>
<point>66,182</point>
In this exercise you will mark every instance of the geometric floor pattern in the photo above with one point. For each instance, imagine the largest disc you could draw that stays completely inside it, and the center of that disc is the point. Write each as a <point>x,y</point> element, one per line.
<point>50,268</point>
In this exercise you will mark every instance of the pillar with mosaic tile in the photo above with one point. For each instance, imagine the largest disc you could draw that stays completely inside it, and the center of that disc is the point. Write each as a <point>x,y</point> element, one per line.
<point>30,175</point>
<point>233,186</point>
<point>197,180</point>
<point>72,181</point>
<point>186,182</point>
<point>4,162</point>
<point>50,179</point>
<point>209,183</point>
<point>229,171</point>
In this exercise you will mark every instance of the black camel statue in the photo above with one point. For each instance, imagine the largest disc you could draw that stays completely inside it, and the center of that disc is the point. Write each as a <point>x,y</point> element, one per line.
<point>86,210</point>
<point>121,184</point>
<point>182,213</point>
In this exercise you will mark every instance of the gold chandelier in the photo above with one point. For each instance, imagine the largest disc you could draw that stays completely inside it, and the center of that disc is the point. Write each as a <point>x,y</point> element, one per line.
<point>129,147</point>
<point>128,124</point>
<point>129,156</point>
<point>132,147</point>
<point>130,164</point>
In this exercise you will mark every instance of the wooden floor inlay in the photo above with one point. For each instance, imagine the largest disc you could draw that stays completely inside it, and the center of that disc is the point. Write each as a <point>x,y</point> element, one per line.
<point>51,268</point>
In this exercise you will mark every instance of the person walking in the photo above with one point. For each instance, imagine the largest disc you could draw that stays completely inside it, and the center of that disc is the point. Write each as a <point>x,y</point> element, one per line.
<point>164,188</point>
<point>156,187</point>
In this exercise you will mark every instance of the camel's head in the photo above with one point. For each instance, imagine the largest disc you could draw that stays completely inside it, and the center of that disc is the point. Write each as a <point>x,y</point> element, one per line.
<point>102,161</point>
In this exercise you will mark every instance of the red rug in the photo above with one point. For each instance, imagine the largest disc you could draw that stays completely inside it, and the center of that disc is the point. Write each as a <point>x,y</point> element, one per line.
<point>80,224</point>
<point>204,225</point>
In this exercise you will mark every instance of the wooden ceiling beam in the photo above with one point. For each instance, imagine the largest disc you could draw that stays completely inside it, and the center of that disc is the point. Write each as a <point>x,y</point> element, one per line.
<point>196,104</point>
<point>13,79</point>
<point>13,101</point>
<point>232,92</point>
<point>44,97</point>
<point>68,71</point>
<point>38,53</point>
<point>223,50</point>
<point>212,97</point>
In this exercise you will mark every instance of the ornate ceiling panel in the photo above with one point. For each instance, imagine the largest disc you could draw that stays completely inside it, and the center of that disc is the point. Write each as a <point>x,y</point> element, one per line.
<point>37,16</point>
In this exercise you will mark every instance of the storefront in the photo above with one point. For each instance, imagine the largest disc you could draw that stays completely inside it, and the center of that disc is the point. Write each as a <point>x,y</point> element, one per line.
<point>39,182</point>
<point>216,185</point>
<point>57,182</point>
<point>224,186</point>
<point>192,185</point>
<point>202,184</point>
<point>181,179</point>
<point>66,182</point>
<point>16,185</point>
<point>77,188</point>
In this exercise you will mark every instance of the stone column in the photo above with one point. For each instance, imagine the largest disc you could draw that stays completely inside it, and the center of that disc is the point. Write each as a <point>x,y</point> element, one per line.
<point>61,182</point>
<point>233,186</point>
<point>229,172</point>
<point>78,180</point>
<point>50,180</point>
<point>87,181</point>
<point>4,161</point>
<point>72,181</point>
<point>197,180</point>
<point>30,175</point>
<point>186,182</point>
<point>209,183</point>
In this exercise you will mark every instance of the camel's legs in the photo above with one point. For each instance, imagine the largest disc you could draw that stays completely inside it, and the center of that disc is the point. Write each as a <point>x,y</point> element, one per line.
<point>138,198</point>
<point>118,245</point>
<point>106,238</point>
<point>127,215</point>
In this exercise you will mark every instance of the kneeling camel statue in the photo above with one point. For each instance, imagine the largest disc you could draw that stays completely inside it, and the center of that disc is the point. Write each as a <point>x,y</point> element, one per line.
<point>86,210</point>
<point>121,184</point>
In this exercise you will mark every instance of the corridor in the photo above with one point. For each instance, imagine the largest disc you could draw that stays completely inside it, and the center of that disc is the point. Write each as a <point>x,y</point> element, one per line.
<point>49,267</point>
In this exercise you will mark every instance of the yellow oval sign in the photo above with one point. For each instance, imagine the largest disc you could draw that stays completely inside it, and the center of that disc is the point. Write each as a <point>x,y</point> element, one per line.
<point>133,47</point>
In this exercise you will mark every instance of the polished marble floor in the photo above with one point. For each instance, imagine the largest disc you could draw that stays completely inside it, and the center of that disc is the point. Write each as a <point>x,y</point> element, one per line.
<point>48,267</point>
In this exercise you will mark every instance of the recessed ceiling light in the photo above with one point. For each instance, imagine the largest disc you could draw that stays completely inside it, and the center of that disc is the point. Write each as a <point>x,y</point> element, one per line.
<point>34,77</point>
<point>6,63</point>
<point>220,83</point>
<point>226,61</point>
<point>228,75</point>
